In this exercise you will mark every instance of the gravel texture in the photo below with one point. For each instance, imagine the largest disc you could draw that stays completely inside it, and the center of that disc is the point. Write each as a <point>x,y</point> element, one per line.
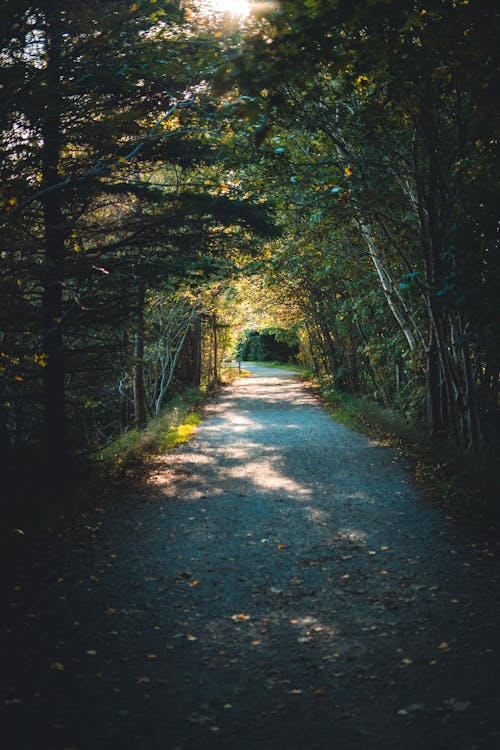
<point>280,583</point>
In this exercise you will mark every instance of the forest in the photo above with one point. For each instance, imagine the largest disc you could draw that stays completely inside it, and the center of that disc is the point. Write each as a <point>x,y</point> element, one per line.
<point>177,176</point>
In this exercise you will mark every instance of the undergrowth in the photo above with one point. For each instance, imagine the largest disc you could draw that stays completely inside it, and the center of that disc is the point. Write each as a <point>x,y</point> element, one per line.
<point>101,479</point>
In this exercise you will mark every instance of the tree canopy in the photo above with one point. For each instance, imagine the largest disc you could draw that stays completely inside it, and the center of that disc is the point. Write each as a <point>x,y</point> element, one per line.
<point>164,163</point>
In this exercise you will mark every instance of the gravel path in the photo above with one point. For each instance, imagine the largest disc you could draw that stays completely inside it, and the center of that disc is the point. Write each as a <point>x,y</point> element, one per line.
<point>280,584</point>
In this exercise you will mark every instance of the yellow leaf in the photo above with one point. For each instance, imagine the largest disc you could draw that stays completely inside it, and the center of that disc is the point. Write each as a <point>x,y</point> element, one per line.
<point>40,359</point>
<point>57,666</point>
<point>190,637</point>
<point>347,171</point>
<point>240,617</point>
<point>281,546</point>
<point>12,201</point>
<point>443,646</point>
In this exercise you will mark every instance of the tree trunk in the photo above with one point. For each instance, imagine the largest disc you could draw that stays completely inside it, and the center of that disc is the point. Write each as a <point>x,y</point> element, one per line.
<point>215,345</point>
<point>196,350</point>
<point>140,411</point>
<point>394,300</point>
<point>54,439</point>
<point>168,372</point>
<point>435,416</point>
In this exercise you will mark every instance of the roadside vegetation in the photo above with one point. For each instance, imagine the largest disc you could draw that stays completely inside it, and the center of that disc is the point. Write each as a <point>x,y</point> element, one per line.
<point>469,493</point>
<point>181,186</point>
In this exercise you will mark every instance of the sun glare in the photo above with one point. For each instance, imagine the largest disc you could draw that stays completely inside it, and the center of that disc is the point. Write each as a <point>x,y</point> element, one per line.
<point>236,7</point>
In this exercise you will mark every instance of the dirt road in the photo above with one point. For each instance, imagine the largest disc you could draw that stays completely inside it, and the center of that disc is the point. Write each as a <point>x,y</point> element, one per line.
<point>281,584</point>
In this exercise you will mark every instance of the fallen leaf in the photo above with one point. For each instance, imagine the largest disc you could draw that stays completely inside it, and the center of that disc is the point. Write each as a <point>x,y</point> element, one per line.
<point>195,582</point>
<point>458,706</point>
<point>443,646</point>
<point>406,662</point>
<point>91,652</point>
<point>57,666</point>
<point>144,680</point>
<point>281,546</point>
<point>384,572</point>
<point>240,617</point>
<point>190,637</point>
<point>152,656</point>
<point>257,643</point>
<point>413,708</point>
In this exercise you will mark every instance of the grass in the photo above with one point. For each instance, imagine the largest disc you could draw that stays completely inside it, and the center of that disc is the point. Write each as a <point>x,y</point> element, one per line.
<point>174,426</point>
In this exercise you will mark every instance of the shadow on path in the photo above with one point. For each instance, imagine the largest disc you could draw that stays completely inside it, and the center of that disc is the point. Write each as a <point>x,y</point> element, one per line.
<point>282,583</point>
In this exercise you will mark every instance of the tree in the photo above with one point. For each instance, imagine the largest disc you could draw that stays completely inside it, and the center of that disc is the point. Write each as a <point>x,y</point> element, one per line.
<point>405,128</point>
<point>101,196</point>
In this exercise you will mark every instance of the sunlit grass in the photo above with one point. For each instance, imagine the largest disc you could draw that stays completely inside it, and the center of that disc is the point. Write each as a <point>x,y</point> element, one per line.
<point>176,424</point>
<point>180,433</point>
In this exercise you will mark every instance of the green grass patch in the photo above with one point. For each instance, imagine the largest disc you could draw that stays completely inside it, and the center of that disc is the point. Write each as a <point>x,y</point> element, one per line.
<point>232,372</point>
<point>178,434</point>
<point>174,426</point>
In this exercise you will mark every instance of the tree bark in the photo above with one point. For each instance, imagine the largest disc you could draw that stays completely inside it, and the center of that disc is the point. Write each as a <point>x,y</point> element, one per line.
<point>140,411</point>
<point>196,340</point>
<point>54,438</point>
<point>394,301</point>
